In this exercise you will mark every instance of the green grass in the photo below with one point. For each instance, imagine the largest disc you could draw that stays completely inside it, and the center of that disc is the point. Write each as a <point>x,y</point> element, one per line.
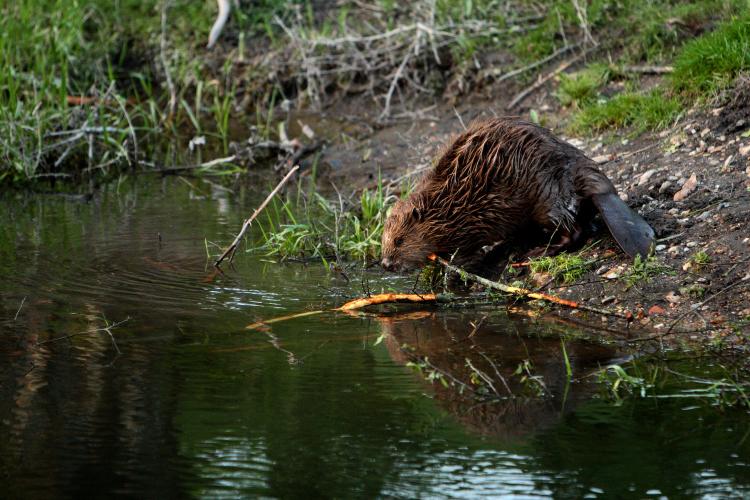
<point>644,270</point>
<point>712,61</point>
<point>564,267</point>
<point>651,111</point>
<point>702,67</point>
<point>581,88</point>
<point>110,51</point>
<point>307,225</point>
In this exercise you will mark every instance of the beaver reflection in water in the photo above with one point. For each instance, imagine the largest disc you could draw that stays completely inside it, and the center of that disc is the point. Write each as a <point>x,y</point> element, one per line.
<point>506,184</point>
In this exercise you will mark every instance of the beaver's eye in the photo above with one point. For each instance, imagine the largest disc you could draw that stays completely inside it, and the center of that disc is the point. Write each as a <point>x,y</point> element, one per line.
<point>398,241</point>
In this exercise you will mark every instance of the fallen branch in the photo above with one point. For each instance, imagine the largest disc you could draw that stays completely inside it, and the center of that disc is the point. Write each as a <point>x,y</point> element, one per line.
<point>648,70</point>
<point>385,298</point>
<point>539,83</point>
<point>531,66</point>
<point>230,251</point>
<point>353,305</point>
<point>523,292</point>
<point>180,168</point>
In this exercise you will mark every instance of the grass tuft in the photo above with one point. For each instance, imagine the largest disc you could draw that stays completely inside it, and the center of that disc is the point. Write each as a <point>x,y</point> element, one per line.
<point>581,88</point>
<point>564,267</point>
<point>309,225</point>
<point>651,111</point>
<point>711,62</point>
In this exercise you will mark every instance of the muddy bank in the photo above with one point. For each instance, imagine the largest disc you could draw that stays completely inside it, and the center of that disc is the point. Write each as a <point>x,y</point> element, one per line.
<point>691,182</point>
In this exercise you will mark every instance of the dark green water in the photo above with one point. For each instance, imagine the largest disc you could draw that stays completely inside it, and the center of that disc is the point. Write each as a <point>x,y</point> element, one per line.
<point>195,405</point>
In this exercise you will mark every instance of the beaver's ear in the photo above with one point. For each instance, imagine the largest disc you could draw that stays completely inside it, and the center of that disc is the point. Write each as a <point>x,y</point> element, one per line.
<point>416,214</point>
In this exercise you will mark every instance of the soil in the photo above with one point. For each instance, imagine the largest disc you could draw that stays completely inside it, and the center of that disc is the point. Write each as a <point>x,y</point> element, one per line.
<point>691,182</point>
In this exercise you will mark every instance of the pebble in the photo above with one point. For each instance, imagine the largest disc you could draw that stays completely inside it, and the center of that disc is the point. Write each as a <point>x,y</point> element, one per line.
<point>745,150</point>
<point>608,299</point>
<point>687,189</point>
<point>664,186</point>
<point>645,176</point>
<point>660,248</point>
<point>674,250</point>
<point>601,158</point>
<point>728,161</point>
<point>691,244</point>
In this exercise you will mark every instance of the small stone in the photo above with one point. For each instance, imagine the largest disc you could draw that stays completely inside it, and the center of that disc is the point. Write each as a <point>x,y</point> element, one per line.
<point>691,244</point>
<point>664,186</point>
<point>645,176</point>
<point>745,150</point>
<point>705,132</point>
<point>686,189</point>
<point>654,310</point>
<point>660,248</point>
<point>608,299</point>
<point>601,158</point>
<point>673,298</point>
<point>675,250</point>
<point>613,273</point>
<point>624,196</point>
<point>727,162</point>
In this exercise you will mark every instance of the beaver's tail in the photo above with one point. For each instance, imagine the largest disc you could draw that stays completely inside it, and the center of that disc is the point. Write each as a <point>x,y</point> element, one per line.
<point>631,232</point>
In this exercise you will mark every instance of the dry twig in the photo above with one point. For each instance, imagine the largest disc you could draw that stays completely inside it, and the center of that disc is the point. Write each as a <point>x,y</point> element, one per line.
<point>230,251</point>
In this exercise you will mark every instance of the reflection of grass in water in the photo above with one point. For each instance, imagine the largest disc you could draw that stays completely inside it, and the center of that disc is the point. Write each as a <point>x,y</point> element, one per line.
<point>718,386</point>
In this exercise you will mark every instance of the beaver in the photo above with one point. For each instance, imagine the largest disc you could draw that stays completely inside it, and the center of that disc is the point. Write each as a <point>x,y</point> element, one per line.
<point>503,184</point>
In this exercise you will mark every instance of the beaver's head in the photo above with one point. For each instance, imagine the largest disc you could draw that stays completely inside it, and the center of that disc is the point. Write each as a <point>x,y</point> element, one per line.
<point>407,239</point>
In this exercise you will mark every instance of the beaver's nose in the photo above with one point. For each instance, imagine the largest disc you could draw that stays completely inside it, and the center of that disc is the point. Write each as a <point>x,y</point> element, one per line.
<point>387,264</point>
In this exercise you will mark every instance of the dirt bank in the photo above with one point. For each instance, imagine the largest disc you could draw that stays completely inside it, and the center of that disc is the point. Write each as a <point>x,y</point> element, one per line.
<point>690,181</point>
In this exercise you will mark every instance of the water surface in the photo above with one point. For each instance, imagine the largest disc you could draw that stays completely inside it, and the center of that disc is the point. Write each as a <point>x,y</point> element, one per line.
<point>182,400</point>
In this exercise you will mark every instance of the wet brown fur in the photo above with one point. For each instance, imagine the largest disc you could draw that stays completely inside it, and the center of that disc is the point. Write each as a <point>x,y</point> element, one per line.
<point>499,183</point>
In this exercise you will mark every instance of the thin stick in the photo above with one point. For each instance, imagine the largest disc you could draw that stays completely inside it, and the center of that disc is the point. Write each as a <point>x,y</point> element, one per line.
<point>525,93</point>
<point>535,64</point>
<point>397,77</point>
<point>221,19</point>
<point>163,57</point>
<point>523,292</point>
<point>233,247</point>
<point>648,70</point>
<point>19,309</point>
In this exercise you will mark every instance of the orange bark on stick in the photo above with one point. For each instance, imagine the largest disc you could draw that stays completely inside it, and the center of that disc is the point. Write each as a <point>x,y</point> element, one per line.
<point>385,298</point>
<point>352,305</point>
